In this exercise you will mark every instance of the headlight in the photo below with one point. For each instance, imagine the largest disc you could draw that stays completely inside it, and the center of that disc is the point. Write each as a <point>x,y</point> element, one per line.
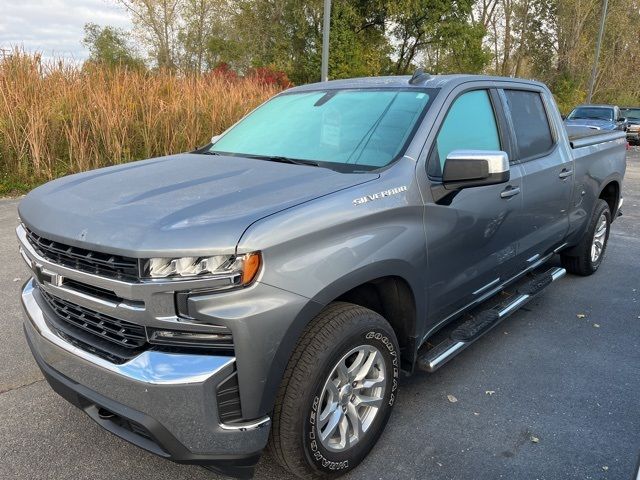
<point>246,266</point>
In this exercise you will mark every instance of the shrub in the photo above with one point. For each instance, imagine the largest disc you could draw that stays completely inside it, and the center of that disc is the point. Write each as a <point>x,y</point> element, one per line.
<point>58,118</point>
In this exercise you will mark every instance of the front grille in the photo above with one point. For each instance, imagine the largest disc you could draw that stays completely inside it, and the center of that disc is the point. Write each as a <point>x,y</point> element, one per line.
<point>105,336</point>
<point>90,261</point>
<point>92,290</point>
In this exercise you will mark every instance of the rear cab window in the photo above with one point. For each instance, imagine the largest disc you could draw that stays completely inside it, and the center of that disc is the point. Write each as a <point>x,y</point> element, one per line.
<point>533,135</point>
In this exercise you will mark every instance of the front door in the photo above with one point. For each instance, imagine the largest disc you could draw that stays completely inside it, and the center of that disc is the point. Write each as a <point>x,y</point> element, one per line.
<point>472,238</point>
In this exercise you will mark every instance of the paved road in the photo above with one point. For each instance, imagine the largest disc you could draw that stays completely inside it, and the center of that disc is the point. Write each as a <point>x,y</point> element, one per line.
<point>571,384</point>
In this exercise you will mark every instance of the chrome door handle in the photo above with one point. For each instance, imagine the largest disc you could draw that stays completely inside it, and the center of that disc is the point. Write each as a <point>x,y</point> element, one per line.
<point>565,173</point>
<point>510,192</point>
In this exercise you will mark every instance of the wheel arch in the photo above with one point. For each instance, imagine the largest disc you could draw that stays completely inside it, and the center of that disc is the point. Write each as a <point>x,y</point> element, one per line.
<point>610,193</point>
<point>399,283</point>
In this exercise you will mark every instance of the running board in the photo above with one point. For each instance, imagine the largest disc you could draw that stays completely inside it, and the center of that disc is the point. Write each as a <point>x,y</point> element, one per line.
<point>480,323</point>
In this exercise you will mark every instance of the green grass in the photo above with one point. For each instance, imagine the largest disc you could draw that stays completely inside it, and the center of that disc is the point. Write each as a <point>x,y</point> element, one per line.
<point>13,187</point>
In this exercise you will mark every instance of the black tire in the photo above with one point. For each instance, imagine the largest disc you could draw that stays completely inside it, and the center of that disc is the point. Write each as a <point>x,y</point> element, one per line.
<point>295,438</point>
<point>578,261</point>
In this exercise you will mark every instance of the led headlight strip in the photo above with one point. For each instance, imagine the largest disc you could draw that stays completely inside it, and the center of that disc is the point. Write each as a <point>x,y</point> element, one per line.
<point>247,266</point>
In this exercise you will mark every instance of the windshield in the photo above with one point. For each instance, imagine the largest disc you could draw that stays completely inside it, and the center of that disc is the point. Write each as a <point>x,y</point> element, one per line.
<point>631,113</point>
<point>349,129</point>
<point>594,113</point>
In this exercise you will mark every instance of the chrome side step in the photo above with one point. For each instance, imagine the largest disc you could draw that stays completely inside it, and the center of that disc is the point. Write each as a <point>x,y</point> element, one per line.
<point>479,324</point>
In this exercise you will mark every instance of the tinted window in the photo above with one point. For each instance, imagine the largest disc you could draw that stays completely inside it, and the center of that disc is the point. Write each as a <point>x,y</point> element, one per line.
<point>470,124</point>
<point>533,134</point>
<point>350,127</point>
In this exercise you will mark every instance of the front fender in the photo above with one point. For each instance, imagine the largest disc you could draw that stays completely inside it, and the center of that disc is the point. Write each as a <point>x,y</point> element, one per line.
<point>324,248</point>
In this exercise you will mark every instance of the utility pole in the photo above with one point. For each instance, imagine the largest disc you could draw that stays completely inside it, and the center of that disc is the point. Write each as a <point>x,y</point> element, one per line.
<point>594,70</point>
<point>326,26</point>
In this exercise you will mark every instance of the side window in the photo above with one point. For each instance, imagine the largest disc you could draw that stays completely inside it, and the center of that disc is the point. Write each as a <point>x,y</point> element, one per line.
<point>470,124</point>
<point>530,122</point>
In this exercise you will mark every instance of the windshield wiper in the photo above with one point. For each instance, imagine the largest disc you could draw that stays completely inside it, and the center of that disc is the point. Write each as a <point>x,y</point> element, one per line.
<point>270,158</point>
<point>281,159</point>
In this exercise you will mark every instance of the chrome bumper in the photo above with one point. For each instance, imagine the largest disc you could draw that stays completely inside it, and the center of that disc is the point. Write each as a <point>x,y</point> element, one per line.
<point>178,391</point>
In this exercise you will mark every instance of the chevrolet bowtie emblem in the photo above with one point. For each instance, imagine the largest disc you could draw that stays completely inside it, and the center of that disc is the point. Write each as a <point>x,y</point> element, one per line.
<point>47,276</point>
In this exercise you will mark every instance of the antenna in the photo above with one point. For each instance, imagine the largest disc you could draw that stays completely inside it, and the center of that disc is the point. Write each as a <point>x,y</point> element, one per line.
<point>419,76</point>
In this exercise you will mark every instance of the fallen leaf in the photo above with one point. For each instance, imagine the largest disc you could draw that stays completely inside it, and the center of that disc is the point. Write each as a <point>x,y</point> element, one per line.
<point>476,413</point>
<point>580,315</point>
<point>16,279</point>
<point>534,439</point>
<point>439,464</point>
<point>596,325</point>
<point>490,392</point>
<point>605,468</point>
<point>452,399</point>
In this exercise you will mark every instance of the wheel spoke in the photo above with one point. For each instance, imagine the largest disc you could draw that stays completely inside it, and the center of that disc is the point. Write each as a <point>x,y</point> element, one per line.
<point>344,432</point>
<point>357,364</point>
<point>354,419</point>
<point>368,401</point>
<point>332,424</point>
<point>332,388</point>
<point>343,373</point>
<point>371,383</point>
<point>323,418</point>
<point>366,368</point>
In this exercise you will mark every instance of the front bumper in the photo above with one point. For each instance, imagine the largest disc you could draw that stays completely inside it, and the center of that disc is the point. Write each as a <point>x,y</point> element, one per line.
<point>162,402</point>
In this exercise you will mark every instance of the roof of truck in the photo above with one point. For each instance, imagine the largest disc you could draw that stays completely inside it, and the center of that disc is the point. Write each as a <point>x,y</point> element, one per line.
<point>431,81</point>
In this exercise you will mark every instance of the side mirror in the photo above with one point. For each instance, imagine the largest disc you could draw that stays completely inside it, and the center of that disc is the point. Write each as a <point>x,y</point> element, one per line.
<point>475,168</point>
<point>622,119</point>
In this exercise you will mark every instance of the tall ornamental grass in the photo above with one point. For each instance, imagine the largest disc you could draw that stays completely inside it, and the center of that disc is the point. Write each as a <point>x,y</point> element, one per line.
<point>59,118</point>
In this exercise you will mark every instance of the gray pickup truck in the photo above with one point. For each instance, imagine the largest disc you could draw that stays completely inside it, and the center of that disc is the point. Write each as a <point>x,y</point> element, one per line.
<point>597,117</point>
<point>272,287</point>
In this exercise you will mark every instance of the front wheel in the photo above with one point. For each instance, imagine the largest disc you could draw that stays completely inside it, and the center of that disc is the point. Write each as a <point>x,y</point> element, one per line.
<point>586,258</point>
<point>337,393</point>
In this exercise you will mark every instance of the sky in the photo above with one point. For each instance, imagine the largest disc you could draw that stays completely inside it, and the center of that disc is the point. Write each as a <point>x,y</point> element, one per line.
<point>55,27</point>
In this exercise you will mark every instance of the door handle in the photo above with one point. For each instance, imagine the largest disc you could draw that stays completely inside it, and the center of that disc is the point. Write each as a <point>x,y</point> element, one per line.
<point>510,192</point>
<point>565,173</point>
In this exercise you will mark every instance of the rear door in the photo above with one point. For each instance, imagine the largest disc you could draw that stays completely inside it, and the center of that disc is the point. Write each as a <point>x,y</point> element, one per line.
<point>547,169</point>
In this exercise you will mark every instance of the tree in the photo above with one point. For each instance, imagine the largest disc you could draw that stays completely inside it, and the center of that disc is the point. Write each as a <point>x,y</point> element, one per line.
<point>287,35</point>
<point>109,46</point>
<point>435,30</point>
<point>157,23</point>
<point>200,30</point>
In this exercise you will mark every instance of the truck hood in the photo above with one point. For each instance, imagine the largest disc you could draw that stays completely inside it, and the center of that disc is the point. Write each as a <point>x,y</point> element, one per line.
<point>591,123</point>
<point>186,204</point>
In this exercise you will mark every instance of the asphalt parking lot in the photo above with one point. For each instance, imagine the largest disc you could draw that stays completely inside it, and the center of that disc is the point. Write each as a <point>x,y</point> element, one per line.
<point>553,393</point>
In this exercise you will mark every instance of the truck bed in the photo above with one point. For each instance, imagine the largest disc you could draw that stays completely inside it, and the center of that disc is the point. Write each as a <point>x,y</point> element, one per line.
<point>583,136</point>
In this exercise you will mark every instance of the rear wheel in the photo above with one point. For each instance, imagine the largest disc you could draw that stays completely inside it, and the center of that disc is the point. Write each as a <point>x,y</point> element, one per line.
<point>337,392</point>
<point>586,258</point>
